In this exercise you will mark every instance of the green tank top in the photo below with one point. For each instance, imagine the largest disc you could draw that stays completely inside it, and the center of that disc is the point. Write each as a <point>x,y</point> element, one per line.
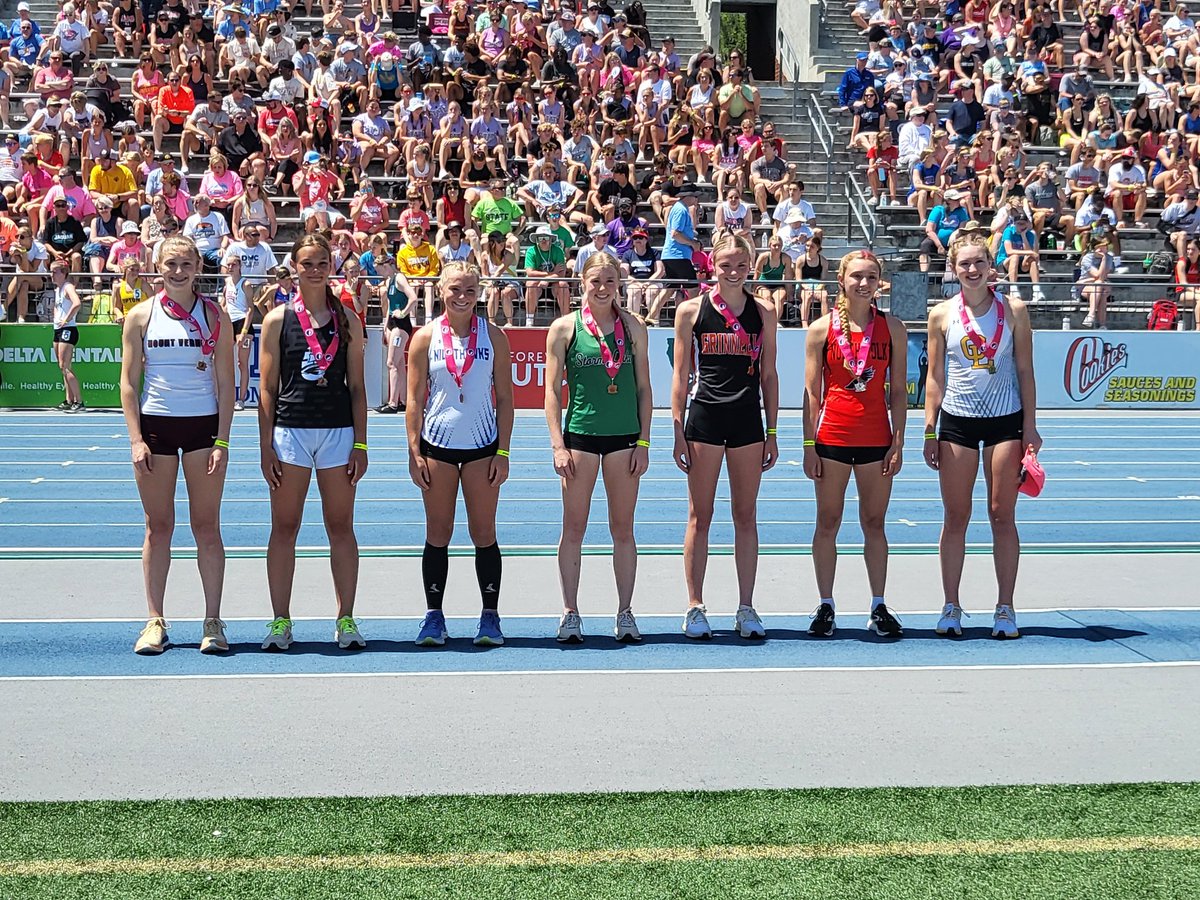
<point>773,273</point>
<point>591,409</point>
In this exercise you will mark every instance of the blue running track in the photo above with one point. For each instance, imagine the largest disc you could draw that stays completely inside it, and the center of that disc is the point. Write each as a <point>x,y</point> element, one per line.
<point>1116,483</point>
<point>1068,637</point>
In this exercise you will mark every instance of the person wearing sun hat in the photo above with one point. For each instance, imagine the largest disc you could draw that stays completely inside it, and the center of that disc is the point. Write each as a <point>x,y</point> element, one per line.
<point>944,220</point>
<point>543,260</point>
<point>317,186</point>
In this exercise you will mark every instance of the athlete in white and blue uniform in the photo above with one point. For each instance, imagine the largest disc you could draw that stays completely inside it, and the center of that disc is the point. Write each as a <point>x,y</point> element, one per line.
<point>459,420</point>
<point>979,392</point>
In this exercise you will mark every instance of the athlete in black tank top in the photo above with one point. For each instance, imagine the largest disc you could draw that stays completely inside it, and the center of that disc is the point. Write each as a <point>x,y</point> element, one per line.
<point>301,403</point>
<point>727,374</point>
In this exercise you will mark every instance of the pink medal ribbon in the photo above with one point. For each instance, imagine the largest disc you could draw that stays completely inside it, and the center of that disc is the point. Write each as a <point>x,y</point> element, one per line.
<point>987,348</point>
<point>207,344</point>
<point>855,362</point>
<point>612,366</point>
<point>469,358</point>
<point>736,327</point>
<point>324,357</point>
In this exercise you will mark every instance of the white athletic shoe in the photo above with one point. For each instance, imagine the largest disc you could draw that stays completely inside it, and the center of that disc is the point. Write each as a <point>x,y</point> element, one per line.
<point>1004,625</point>
<point>238,405</point>
<point>626,628</point>
<point>695,624</point>
<point>748,624</point>
<point>570,629</point>
<point>951,620</point>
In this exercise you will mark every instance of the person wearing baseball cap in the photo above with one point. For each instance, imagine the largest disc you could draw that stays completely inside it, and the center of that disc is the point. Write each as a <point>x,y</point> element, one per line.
<point>944,220</point>
<point>113,180</point>
<point>546,261</point>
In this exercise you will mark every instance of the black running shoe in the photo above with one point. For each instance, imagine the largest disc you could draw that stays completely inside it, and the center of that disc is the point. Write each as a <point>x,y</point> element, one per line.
<point>387,409</point>
<point>882,622</point>
<point>822,621</point>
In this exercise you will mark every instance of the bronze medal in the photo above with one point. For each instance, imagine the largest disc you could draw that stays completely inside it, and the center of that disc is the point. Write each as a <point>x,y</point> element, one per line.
<point>202,365</point>
<point>322,382</point>
<point>612,388</point>
<point>991,367</point>
<point>750,369</point>
<point>461,398</point>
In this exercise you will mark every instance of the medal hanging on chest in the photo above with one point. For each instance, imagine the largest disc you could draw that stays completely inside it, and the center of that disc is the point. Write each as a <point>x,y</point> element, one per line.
<point>324,357</point>
<point>986,347</point>
<point>747,343</point>
<point>208,345</point>
<point>612,365</point>
<point>854,361</point>
<point>469,357</point>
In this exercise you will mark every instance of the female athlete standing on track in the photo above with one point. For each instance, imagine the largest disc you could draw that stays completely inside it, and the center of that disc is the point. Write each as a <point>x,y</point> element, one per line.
<point>728,336</point>
<point>312,414</point>
<point>602,351</point>
<point>980,390</point>
<point>178,349</point>
<point>850,355</point>
<point>460,421</point>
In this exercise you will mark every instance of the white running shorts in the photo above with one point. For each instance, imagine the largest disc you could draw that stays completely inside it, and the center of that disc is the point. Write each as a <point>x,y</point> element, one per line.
<point>313,448</point>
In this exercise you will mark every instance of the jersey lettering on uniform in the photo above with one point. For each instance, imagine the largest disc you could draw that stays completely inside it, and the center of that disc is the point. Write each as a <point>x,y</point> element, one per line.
<point>727,344</point>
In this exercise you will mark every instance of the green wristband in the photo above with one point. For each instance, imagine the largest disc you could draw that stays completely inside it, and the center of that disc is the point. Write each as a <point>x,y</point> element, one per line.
<point>645,444</point>
<point>503,453</point>
<point>224,445</point>
<point>931,435</point>
<point>810,443</point>
<point>772,431</point>
<point>359,446</point>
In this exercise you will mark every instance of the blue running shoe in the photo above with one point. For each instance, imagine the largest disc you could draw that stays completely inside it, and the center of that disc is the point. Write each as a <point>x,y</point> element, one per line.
<point>489,630</point>
<point>433,630</point>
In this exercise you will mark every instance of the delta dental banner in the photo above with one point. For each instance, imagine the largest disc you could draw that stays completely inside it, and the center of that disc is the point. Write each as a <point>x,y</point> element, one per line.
<point>29,373</point>
<point>1106,370</point>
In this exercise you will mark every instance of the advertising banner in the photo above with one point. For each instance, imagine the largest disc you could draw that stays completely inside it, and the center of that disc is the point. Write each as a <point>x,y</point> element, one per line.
<point>1117,369</point>
<point>528,347</point>
<point>29,373</point>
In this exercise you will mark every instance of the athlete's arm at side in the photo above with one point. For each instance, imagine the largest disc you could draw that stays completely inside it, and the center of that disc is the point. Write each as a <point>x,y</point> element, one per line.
<point>356,381</point>
<point>639,461</point>
<point>268,393</point>
<point>132,367</point>
<point>557,341</point>
<point>1023,360</point>
<point>502,382</point>
<point>897,394</point>
<point>768,377</point>
<point>685,320</point>
<point>223,363</point>
<point>814,375</point>
<point>935,379</point>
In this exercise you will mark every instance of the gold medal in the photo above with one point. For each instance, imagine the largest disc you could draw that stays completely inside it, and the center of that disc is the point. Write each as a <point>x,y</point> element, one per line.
<point>991,367</point>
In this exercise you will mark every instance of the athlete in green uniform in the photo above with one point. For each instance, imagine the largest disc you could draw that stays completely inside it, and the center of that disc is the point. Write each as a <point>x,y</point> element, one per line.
<point>608,427</point>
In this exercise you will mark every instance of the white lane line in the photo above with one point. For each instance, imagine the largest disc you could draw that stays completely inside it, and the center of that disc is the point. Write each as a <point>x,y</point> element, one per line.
<point>71,462</point>
<point>909,522</point>
<point>589,673</point>
<point>40,480</point>
<point>781,614</point>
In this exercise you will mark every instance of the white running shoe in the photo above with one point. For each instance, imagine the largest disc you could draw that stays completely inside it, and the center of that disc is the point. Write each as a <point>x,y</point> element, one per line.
<point>1004,625</point>
<point>695,624</point>
<point>238,405</point>
<point>748,623</point>
<point>347,635</point>
<point>570,629</point>
<point>951,620</point>
<point>626,628</point>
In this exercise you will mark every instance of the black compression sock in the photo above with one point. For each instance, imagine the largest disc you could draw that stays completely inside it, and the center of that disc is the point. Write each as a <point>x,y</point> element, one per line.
<point>435,564</point>
<point>487,570</point>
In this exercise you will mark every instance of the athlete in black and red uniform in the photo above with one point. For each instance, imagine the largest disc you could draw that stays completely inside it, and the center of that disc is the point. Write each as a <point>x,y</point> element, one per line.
<point>854,358</point>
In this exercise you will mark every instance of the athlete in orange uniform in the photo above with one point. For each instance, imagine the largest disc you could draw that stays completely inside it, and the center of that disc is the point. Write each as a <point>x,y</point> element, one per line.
<point>855,373</point>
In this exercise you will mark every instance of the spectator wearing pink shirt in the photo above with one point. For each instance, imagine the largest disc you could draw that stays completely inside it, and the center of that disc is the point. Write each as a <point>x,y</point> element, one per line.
<point>129,245</point>
<point>79,201</point>
<point>222,185</point>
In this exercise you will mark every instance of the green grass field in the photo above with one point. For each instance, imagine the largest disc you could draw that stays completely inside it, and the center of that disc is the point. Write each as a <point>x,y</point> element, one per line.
<point>1098,842</point>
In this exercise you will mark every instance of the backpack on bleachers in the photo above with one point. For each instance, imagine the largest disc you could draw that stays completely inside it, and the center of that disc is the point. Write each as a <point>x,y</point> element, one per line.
<point>1164,314</point>
<point>1161,263</point>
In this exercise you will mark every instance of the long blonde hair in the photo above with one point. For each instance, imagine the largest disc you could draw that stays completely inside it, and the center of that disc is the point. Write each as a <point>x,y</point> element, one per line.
<point>842,304</point>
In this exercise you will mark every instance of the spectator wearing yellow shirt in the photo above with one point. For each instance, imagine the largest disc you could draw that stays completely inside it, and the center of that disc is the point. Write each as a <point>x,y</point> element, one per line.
<point>113,180</point>
<point>129,290</point>
<point>418,259</point>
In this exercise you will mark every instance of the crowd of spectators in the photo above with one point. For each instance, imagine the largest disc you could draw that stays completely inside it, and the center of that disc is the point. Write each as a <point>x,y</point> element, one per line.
<point>525,136</point>
<point>1031,142</point>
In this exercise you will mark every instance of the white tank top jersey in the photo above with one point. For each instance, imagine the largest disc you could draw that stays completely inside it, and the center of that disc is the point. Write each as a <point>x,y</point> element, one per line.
<point>972,390</point>
<point>62,304</point>
<point>172,384</point>
<point>466,424</point>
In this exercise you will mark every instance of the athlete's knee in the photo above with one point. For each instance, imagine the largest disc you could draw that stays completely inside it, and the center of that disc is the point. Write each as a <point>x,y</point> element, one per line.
<point>745,515</point>
<point>285,528</point>
<point>206,530</point>
<point>701,517</point>
<point>957,520</point>
<point>828,523</point>
<point>339,525</point>
<point>621,529</point>
<point>159,530</point>
<point>871,523</point>
<point>439,533</point>
<point>483,534</point>
<point>1002,515</point>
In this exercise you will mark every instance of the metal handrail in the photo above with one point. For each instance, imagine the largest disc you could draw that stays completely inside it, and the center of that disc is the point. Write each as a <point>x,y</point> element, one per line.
<point>789,66</point>
<point>821,132</point>
<point>859,212</point>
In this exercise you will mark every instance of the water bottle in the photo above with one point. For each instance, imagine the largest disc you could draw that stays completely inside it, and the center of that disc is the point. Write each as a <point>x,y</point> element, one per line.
<point>1051,243</point>
<point>1066,323</point>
